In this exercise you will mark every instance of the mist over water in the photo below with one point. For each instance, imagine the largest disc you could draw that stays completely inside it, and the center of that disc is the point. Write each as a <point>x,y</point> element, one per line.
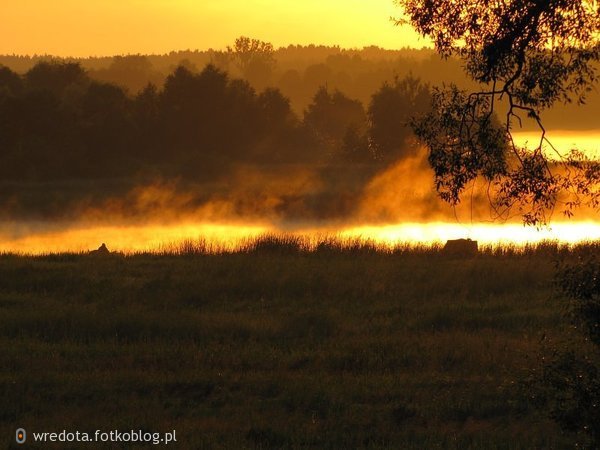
<point>396,205</point>
<point>225,154</point>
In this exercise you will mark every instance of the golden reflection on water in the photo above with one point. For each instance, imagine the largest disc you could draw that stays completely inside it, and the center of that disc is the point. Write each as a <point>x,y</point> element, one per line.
<point>566,232</point>
<point>138,238</point>
<point>563,141</point>
<point>231,236</point>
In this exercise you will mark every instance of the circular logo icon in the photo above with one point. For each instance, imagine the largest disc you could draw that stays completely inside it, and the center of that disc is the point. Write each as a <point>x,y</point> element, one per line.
<point>21,436</point>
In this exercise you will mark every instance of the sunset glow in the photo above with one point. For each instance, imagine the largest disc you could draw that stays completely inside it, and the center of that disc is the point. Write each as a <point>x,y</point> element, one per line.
<point>107,27</point>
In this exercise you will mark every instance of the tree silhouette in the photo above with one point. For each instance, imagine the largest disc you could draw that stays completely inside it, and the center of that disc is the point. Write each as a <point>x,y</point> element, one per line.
<point>390,111</point>
<point>105,128</point>
<point>145,116</point>
<point>329,116</point>
<point>55,76</point>
<point>10,82</point>
<point>528,55</point>
<point>132,71</point>
<point>275,109</point>
<point>355,146</point>
<point>254,59</point>
<point>246,50</point>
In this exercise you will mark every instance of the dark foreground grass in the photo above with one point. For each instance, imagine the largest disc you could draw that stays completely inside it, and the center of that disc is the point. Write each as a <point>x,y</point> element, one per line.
<point>279,349</point>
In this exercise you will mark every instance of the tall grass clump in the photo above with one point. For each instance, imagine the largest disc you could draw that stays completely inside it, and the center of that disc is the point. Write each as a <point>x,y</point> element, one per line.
<point>189,247</point>
<point>273,243</point>
<point>293,244</point>
<point>346,245</point>
<point>417,248</point>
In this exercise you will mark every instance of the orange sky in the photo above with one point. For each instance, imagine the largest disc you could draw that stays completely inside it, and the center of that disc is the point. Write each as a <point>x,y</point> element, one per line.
<point>107,27</point>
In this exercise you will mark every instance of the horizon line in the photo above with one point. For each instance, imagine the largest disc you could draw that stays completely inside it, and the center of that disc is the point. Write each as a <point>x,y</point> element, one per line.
<point>210,49</point>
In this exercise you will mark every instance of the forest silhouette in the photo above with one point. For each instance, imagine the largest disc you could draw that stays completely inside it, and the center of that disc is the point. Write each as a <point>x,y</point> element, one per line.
<point>328,121</point>
<point>71,138</point>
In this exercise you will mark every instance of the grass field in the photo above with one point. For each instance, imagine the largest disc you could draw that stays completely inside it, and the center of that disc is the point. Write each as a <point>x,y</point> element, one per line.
<point>272,347</point>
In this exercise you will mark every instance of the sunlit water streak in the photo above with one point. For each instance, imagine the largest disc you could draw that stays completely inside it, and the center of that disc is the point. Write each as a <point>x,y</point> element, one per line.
<point>563,141</point>
<point>518,234</point>
<point>34,240</point>
<point>125,238</point>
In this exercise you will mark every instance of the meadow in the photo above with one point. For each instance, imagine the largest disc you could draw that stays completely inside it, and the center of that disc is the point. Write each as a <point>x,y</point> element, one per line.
<point>278,346</point>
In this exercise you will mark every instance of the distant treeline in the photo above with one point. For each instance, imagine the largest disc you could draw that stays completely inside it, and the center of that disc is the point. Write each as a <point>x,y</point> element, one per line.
<point>57,123</point>
<point>298,71</point>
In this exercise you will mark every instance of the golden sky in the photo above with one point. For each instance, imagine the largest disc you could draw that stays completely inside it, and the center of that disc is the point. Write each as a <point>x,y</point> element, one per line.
<point>107,27</point>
